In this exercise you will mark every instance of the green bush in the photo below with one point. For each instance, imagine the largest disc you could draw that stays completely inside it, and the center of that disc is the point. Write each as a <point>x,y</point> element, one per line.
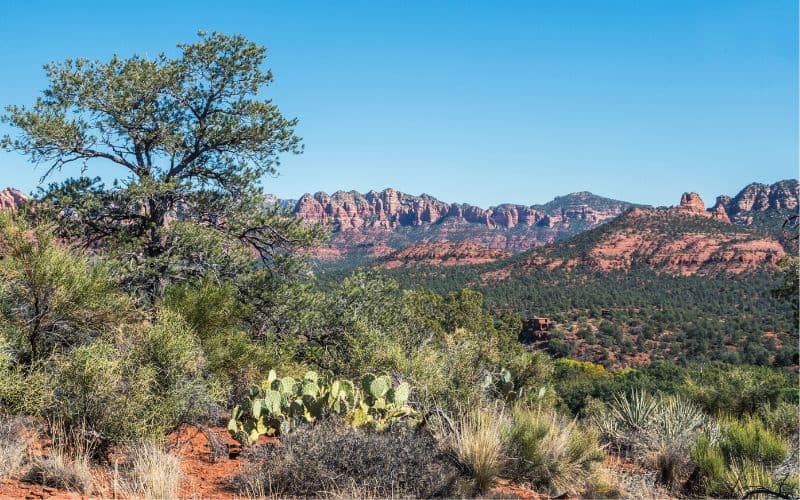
<point>52,299</point>
<point>138,386</point>
<point>22,392</point>
<point>98,387</point>
<point>171,352</point>
<point>742,455</point>
<point>215,315</point>
<point>739,390</point>
<point>749,439</point>
<point>551,452</point>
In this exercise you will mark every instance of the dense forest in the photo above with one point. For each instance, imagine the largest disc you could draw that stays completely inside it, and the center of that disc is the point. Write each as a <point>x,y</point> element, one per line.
<point>178,298</point>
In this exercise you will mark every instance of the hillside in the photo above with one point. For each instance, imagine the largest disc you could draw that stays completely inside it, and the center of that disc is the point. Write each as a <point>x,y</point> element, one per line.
<point>683,240</point>
<point>442,253</point>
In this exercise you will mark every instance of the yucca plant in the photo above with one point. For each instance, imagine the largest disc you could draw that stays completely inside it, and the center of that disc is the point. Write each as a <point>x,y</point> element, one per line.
<point>658,431</point>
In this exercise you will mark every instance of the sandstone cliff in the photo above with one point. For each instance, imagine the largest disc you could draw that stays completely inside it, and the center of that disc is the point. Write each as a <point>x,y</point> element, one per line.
<point>376,223</point>
<point>11,198</point>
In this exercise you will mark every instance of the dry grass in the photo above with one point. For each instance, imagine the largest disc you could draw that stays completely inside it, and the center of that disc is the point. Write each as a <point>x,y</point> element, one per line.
<point>153,473</point>
<point>477,445</point>
<point>68,464</point>
<point>71,472</point>
<point>13,448</point>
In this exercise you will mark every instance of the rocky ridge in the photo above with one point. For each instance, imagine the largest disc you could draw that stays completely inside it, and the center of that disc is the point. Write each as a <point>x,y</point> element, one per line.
<point>682,240</point>
<point>378,223</point>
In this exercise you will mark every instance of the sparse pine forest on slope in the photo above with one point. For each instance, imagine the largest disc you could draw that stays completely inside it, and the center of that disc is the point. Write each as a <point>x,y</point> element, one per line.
<point>169,335</point>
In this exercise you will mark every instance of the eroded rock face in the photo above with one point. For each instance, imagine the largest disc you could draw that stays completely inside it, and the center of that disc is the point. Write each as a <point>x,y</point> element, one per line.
<point>692,203</point>
<point>11,198</point>
<point>718,212</point>
<point>361,221</point>
<point>390,209</point>
<point>757,197</point>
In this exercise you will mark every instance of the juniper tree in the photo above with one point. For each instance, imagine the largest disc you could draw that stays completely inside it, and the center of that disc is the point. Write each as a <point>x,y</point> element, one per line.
<point>189,138</point>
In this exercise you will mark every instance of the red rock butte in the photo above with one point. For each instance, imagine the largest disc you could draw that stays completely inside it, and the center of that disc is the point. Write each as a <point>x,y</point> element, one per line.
<point>11,198</point>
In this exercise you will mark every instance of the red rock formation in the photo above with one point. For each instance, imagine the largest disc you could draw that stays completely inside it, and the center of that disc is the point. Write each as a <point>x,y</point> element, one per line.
<point>374,218</point>
<point>692,203</point>
<point>718,212</point>
<point>665,240</point>
<point>11,198</point>
<point>755,197</point>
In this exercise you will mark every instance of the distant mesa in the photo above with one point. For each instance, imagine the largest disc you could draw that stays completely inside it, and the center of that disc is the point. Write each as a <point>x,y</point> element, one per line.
<point>692,203</point>
<point>366,225</point>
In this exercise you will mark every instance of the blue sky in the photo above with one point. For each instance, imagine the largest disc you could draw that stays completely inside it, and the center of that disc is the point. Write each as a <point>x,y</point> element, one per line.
<point>478,102</point>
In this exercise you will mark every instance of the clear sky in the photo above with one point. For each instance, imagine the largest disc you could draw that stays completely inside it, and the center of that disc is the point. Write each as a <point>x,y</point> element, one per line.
<point>478,102</point>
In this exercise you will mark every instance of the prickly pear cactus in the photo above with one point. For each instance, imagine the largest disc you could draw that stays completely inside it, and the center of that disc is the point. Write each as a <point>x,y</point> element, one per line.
<point>279,405</point>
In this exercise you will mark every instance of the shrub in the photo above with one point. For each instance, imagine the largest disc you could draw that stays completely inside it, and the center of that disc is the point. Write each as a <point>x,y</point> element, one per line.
<point>551,452</point>
<point>50,298</point>
<point>135,387</point>
<point>781,418</point>
<point>170,351</point>
<point>740,389</point>
<point>476,444</point>
<point>214,313</point>
<point>742,455</point>
<point>22,392</point>
<point>97,387</point>
<point>749,439</point>
<point>331,457</point>
<point>152,473</point>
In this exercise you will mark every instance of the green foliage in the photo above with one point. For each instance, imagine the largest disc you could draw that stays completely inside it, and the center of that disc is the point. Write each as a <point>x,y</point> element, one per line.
<point>195,136</point>
<point>52,299</point>
<point>551,452</point>
<point>740,389</point>
<point>690,318</point>
<point>22,392</point>
<point>743,455</point>
<point>789,289</point>
<point>101,388</point>
<point>214,312</point>
<point>137,386</point>
<point>748,439</point>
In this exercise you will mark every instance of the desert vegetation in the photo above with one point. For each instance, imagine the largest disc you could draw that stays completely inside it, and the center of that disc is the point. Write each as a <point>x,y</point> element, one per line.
<point>180,298</point>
